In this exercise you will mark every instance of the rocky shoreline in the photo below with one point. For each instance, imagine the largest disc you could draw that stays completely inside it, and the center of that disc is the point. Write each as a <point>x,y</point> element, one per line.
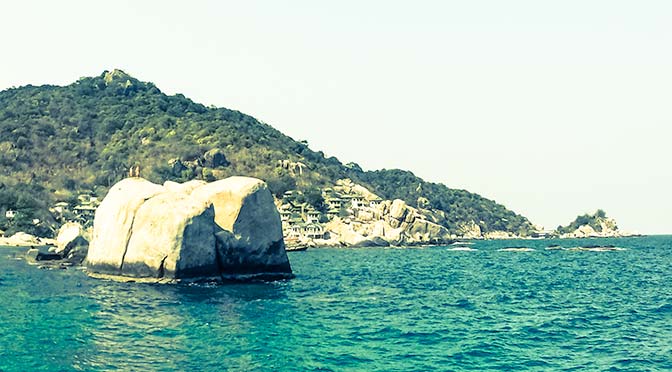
<point>21,239</point>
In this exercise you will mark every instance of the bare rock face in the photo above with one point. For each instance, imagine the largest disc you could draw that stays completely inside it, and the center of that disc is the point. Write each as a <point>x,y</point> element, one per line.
<point>113,222</point>
<point>423,203</point>
<point>402,225</point>
<point>173,237</point>
<point>423,230</point>
<point>215,158</point>
<point>228,229</point>
<point>249,229</point>
<point>470,230</point>
<point>398,209</point>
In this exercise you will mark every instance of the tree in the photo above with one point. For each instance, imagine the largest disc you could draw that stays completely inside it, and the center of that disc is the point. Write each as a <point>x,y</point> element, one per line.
<point>279,184</point>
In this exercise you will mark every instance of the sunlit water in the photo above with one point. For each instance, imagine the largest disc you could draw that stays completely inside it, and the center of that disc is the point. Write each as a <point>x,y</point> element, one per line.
<point>373,309</point>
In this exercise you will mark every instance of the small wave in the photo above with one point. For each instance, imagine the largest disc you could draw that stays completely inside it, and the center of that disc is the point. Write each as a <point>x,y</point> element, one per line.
<point>462,243</point>
<point>596,249</point>
<point>462,249</point>
<point>516,249</point>
<point>667,308</point>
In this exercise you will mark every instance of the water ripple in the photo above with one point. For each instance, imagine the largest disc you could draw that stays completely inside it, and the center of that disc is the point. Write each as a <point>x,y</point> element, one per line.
<point>432,309</point>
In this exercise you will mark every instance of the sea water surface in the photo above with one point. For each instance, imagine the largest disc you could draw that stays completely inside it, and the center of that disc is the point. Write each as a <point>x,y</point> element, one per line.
<point>372,309</point>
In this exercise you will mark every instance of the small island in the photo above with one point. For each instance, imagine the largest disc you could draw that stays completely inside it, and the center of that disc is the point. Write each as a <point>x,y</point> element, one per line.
<point>596,225</point>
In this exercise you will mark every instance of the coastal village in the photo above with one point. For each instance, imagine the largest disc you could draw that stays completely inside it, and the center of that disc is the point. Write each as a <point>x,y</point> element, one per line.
<point>350,215</point>
<point>82,211</point>
<point>354,216</point>
<point>302,223</point>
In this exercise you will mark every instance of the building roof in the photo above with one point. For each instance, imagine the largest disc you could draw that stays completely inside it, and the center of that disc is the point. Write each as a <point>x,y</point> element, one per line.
<point>85,208</point>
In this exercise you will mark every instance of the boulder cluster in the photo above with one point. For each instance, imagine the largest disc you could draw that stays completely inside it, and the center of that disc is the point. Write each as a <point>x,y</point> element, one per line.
<point>392,222</point>
<point>228,229</point>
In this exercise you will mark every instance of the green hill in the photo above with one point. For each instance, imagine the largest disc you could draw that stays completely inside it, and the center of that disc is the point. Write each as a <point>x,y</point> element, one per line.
<point>57,142</point>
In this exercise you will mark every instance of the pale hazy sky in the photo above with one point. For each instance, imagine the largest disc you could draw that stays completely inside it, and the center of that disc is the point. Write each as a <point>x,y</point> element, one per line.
<point>553,108</point>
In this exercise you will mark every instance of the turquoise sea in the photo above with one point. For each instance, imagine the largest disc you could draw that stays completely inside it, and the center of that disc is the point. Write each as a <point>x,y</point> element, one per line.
<point>372,309</point>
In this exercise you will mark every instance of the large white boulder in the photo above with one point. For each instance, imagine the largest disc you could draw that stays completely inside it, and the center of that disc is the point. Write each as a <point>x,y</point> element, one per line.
<point>398,209</point>
<point>113,222</point>
<point>249,229</point>
<point>172,237</point>
<point>228,229</point>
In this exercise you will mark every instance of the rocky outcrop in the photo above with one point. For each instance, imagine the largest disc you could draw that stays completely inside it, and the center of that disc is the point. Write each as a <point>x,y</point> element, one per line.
<point>215,158</point>
<point>499,235</point>
<point>423,203</point>
<point>587,231</point>
<point>295,168</point>
<point>21,239</point>
<point>346,186</point>
<point>228,229</point>
<point>470,230</point>
<point>113,221</point>
<point>398,210</point>
<point>72,242</point>
<point>597,225</point>
<point>176,167</point>
<point>249,231</point>
<point>390,223</point>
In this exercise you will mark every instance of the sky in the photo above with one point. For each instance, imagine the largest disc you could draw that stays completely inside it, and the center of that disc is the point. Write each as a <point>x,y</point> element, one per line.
<point>552,108</point>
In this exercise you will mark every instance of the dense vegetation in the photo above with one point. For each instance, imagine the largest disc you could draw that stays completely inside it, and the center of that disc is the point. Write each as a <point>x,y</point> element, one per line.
<point>57,142</point>
<point>594,220</point>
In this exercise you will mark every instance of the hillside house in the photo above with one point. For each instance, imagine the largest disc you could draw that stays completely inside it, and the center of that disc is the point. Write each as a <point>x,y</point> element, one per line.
<point>334,203</point>
<point>311,216</point>
<point>333,213</point>
<point>373,203</point>
<point>313,231</point>
<point>61,207</point>
<point>357,201</point>
<point>285,212</point>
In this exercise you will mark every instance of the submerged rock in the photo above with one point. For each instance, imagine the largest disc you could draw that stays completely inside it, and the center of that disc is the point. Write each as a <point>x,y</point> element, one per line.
<point>33,255</point>
<point>228,229</point>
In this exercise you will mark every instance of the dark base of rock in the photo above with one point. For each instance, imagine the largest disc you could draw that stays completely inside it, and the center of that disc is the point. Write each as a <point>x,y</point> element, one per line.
<point>374,242</point>
<point>222,279</point>
<point>220,272</point>
<point>380,242</point>
<point>47,259</point>
<point>34,254</point>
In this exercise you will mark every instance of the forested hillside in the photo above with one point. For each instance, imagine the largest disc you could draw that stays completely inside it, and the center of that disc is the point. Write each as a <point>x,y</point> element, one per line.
<point>57,142</point>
